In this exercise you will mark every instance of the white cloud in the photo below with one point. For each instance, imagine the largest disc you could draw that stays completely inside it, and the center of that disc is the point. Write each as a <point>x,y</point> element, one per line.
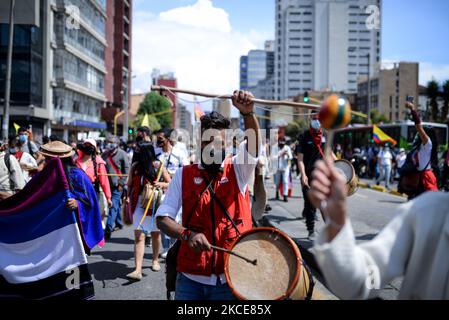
<point>195,42</point>
<point>429,71</point>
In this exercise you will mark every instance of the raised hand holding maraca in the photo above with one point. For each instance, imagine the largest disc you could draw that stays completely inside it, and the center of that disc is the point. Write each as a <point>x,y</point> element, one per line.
<point>328,192</point>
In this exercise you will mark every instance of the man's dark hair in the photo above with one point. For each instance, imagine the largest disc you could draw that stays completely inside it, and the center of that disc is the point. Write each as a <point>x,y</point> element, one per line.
<point>22,129</point>
<point>214,120</point>
<point>166,131</point>
<point>146,130</point>
<point>54,138</point>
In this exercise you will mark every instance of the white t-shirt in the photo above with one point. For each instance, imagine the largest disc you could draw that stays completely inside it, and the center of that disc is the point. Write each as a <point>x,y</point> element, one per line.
<point>244,165</point>
<point>385,157</point>
<point>28,160</point>
<point>284,160</point>
<point>400,159</point>
<point>424,155</point>
<point>176,159</point>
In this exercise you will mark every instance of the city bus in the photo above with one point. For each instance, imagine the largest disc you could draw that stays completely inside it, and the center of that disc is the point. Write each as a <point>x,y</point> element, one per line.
<point>358,136</point>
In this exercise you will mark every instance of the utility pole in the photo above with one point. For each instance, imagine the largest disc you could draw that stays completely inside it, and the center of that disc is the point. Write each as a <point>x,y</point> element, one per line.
<point>369,90</point>
<point>5,126</point>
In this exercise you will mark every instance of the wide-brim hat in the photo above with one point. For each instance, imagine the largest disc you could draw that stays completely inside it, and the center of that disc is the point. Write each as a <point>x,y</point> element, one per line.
<point>56,149</point>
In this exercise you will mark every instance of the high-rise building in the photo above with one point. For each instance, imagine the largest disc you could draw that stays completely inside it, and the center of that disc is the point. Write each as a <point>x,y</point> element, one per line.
<point>325,44</point>
<point>67,64</point>
<point>243,72</point>
<point>118,60</point>
<point>79,67</point>
<point>222,106</point>
<point>184,120</point>
<point>389,89</point>
<point>30,99</point>
<point>256,73</point>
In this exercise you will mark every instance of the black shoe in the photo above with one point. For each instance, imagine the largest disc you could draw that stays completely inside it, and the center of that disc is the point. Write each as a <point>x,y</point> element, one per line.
<point>311,236</point>
<point>267,208</point>
<point>285,199</point>
<point>107,235</point>
<point>277,196</point>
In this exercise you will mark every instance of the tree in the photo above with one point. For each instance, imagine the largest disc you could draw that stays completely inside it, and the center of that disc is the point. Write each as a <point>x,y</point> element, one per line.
<point>294,128</point>
<point>432,94</point>
<point>445,110</point>
<point>155,103</point>
<point>377,118</point>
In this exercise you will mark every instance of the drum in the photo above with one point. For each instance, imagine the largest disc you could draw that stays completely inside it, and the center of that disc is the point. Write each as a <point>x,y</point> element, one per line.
<point>280,272</point>
<point>347,170</point>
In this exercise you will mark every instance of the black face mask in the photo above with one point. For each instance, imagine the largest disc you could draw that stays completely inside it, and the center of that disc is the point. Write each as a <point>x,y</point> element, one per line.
<point>89,150</point>
<point>160,143</point>
<point>214,167</point>
<point>281,146</point>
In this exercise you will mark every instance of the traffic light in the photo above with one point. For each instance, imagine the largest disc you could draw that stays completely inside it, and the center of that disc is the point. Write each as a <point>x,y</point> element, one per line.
<point>131,131</point>
<point>306,97</point>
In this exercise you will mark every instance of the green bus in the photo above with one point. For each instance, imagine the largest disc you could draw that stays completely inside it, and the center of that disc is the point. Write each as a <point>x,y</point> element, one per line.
<point>359,136</point>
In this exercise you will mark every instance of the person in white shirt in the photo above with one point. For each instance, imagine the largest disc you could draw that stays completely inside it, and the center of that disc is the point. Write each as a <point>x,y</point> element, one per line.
<point>385,156</point>
<point>414,245</point>
<point>27,162</point>
<point>11,176</point>
<point>284,158</point>
<point>216,205</point>
<point>173,159</point>
<point>400,160</point>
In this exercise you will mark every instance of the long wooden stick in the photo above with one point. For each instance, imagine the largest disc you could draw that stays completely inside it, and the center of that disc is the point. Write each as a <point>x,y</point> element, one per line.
<point>314,107</point>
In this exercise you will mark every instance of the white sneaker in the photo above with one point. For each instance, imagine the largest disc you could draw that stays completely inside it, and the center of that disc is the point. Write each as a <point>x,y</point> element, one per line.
<point>164,255</point>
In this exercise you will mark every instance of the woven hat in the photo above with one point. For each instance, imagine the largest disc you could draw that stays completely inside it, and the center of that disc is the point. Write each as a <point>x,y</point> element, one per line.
<point>57,149</point>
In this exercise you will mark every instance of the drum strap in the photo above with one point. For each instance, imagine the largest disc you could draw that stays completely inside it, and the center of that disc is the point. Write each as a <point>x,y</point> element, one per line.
<point>311,281</point>
<point>222,207</point>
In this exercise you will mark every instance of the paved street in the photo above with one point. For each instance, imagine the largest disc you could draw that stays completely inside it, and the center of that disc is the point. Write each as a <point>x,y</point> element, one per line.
<point>369,211</point>
<point>110,265</point>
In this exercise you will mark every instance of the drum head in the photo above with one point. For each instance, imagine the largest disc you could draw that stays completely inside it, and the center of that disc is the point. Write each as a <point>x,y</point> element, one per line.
<point>345,168</point>
<point>278,265</point>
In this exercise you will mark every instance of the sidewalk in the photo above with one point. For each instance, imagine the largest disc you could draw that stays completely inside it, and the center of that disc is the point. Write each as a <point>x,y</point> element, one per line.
<point>371,184</point>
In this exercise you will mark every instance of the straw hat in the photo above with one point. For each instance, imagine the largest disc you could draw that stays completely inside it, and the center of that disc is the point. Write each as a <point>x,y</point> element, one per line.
<point>57,149</point>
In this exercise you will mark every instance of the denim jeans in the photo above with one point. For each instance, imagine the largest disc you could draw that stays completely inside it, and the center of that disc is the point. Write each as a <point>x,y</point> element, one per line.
<point>187,289</point>
<point>115,214</point>
<point>386,172</point>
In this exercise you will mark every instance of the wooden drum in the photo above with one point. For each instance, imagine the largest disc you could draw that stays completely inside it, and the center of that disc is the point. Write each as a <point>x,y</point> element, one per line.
<point>347,170</point>
<point>280,272</point>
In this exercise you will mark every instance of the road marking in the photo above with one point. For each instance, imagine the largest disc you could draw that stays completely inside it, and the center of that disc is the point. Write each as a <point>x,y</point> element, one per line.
<point>360,195</point>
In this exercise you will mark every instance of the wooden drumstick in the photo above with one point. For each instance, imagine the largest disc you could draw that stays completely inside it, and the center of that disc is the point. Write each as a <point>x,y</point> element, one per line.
<point>254,262</point>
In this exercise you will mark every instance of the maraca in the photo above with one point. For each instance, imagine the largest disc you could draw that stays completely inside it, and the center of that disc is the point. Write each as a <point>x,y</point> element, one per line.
<point>335,112</point>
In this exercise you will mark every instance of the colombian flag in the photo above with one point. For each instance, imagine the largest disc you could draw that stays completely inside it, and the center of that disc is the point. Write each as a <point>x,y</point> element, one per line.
<point>198,111</point>
<point>381,137</point>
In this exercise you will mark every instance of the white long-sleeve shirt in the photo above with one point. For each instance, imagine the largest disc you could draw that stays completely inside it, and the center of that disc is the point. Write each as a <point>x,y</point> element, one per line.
<point>415,245</point>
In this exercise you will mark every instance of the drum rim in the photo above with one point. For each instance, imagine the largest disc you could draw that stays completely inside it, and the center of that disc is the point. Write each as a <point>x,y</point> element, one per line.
<point>350,165</point>
<point>288,239</point>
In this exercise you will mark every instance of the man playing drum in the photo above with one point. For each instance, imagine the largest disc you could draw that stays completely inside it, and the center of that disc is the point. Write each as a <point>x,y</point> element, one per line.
<point>215,203</point>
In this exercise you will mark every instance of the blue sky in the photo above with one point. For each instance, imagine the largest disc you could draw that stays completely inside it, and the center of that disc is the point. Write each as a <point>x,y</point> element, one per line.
<point>412,30</point>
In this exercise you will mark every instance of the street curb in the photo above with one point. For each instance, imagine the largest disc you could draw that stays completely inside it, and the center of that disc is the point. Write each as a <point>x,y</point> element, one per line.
<point>393,192</point>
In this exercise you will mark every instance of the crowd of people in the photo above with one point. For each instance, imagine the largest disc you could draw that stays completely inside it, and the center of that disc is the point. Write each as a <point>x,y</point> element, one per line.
<point>186,207</point>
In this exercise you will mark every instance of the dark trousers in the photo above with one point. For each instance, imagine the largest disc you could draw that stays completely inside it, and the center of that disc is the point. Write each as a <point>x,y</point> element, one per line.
<point>445,181</point>
<point>115,215</point>
<point>309,212</point>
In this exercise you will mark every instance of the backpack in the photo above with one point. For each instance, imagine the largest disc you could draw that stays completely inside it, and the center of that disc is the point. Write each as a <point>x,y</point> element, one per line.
<point>7,160</point>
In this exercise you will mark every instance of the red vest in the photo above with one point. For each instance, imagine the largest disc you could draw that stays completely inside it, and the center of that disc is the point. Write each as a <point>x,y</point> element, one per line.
<point>215,225</point>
